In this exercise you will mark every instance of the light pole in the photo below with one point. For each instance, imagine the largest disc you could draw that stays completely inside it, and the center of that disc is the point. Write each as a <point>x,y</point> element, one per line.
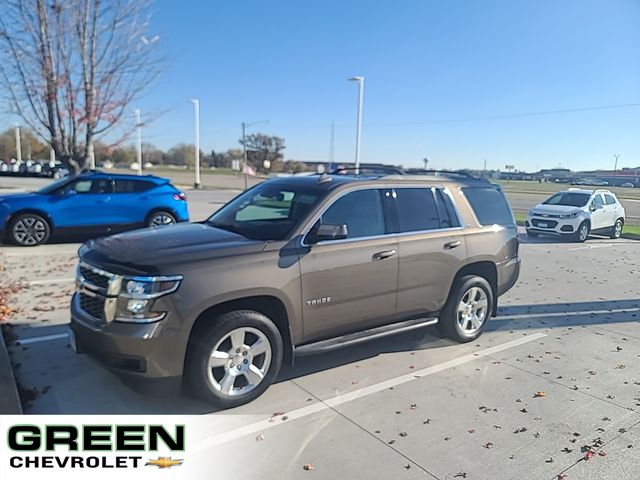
<point>615,168</point>
<point>139,140</point>
<point>196,106</point>
<point>18,146</point>
<point>360,81</point>
<point>244,149</point>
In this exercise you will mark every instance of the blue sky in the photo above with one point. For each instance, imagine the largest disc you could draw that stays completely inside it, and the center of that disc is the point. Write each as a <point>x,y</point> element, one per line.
<point>425,61</point>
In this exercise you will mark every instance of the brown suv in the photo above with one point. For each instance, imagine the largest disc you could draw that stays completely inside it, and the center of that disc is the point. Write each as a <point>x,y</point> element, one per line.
<point>294,264</point>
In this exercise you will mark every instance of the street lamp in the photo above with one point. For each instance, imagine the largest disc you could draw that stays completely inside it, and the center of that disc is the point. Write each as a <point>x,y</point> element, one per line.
<point>18,146</point>
<point>615,168</point>
<point>244,149</point>
<point>360,81</point>
<point>196,105</point>
<point>139,140</point>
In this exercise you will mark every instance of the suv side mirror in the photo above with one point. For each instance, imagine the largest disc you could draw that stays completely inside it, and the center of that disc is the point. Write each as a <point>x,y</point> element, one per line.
<point>593,207</point>
<point>329,232</point>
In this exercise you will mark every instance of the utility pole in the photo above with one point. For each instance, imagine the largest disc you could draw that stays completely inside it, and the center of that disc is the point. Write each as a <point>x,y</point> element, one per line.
<point>615,168</point>
<point>244,155</point>
<point>18,146</point>
<point>331,150</point>
<point>139,140</point>
<point>196,106</point>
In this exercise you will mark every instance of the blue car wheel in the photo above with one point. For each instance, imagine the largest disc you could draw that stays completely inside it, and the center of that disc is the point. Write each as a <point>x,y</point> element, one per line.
<point>161,219</point>
<point>29,230</point>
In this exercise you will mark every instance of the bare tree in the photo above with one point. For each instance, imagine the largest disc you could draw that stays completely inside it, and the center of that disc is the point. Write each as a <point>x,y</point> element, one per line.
<point>261,147</point>
<point>72,67</point>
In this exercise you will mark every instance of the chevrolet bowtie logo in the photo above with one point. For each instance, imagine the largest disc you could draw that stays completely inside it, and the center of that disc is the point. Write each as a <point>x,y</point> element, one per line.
<point>164,462</point>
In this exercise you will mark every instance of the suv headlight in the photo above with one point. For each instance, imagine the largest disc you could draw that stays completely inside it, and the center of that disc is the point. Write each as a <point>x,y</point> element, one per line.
<point>137,297</point>
<point>570,215</point>
<point>530,212</point>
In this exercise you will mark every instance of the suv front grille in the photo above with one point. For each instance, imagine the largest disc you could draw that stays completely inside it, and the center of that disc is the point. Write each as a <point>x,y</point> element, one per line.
<point>547,223</point>
<point>94,278</point>
<point>92,305</point>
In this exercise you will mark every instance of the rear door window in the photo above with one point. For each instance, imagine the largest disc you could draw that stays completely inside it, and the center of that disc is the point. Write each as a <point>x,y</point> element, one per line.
<point>490,206</point>
<point>132,186</point>
<point>609,200</point>
<point>417,209</point>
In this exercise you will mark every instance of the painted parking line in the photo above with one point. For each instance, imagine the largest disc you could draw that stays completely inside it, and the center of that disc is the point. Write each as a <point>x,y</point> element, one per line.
<point>44,338</point>
<point>51,281</point>
<point>517,316</point>
<point>330,403</point>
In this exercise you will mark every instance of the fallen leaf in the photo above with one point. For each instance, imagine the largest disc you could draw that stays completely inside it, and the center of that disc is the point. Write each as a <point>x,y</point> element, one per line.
<point>539,394</point>
<point>307,466</point>
<point>260,438</point>
<point>413,406</point>
<point>488,445</point>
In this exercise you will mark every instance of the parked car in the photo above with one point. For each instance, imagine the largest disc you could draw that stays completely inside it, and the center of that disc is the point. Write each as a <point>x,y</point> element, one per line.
<point>294,264</point>
<point>627,185</point>
<point>575,213</point>
<point>90,204</point>
<point>55,170</point>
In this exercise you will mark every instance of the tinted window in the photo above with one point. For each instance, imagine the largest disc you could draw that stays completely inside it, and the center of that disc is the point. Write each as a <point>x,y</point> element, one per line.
<point>266,212</point>
<point>609,200</point>
<point>96,186</point>
<point>448,216</point>
<point>361,211</point>
<point>132,186</point>
<point>490,206</point>
<point>417,209</point>
<point>570,199</point>
<point>597,201</point>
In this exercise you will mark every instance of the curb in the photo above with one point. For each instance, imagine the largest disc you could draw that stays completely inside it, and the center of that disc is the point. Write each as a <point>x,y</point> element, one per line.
<point>9,398</point>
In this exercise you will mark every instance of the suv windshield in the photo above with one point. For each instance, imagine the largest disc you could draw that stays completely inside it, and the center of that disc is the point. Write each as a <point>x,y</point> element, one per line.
<point>266,212</point>
<point>570,199</point>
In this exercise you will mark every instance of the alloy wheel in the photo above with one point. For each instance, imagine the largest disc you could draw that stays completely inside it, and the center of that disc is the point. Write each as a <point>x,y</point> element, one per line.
<point>583,232</point>
<point>618,229</point>
<point>472,310</point>
<point>29,231</point>
<point>239,361</point>
<point>161,220</point>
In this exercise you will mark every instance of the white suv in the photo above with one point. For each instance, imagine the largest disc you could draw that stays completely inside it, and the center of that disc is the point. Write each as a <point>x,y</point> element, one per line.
<point>575,213</point>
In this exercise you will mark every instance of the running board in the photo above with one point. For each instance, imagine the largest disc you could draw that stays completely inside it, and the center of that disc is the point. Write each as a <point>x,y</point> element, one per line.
<point>365,335</point>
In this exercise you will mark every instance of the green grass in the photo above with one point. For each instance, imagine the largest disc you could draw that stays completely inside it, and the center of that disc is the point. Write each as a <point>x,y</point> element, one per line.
<point>630,229</point>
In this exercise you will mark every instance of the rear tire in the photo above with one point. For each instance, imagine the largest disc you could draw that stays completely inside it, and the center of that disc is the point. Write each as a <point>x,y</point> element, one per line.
<point>582,233</point>
<point>29,230</point>
<point>468,309</point>
<point>236,349</point>
<point>160,219</point>
<point>616,230</point>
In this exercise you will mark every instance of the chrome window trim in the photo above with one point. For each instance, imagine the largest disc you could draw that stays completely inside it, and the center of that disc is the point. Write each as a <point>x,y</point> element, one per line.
<point>445,190</point>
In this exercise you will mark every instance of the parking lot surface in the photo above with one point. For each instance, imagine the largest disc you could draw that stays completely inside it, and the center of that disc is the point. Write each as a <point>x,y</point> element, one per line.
<point>554,377</point>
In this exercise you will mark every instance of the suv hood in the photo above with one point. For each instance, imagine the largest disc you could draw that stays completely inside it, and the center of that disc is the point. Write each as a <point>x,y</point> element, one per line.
<point>555,209</point>
<point>153,250</point>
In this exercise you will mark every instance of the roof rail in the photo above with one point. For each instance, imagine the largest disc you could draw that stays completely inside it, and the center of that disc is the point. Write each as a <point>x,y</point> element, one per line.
<point>421,171</point>
<point>368,170</point>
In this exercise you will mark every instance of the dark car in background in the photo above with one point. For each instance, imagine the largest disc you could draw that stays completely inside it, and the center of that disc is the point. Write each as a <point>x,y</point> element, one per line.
<point>91,204</point>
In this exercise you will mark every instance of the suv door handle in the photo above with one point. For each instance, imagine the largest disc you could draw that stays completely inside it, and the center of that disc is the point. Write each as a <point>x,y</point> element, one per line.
<point>384,254</point>
<point>452,245</point>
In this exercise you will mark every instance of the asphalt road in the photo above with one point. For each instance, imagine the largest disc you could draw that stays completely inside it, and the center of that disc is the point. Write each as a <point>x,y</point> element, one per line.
<point>412,405</point>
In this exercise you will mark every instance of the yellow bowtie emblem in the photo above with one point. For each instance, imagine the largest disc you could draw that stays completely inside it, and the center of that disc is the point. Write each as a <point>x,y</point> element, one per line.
<point>164,462</point>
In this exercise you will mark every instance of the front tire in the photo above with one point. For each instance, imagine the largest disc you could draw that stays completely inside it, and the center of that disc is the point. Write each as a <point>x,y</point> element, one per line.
<point>235,359</point>
<point>616,230</point>
<point>29,230</point>
<point>160,219</point>
<point>583,232</point>
<point>468,309</point>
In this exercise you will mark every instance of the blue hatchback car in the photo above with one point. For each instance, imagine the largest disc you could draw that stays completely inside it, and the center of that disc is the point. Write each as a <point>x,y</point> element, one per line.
<point>91,204</point>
